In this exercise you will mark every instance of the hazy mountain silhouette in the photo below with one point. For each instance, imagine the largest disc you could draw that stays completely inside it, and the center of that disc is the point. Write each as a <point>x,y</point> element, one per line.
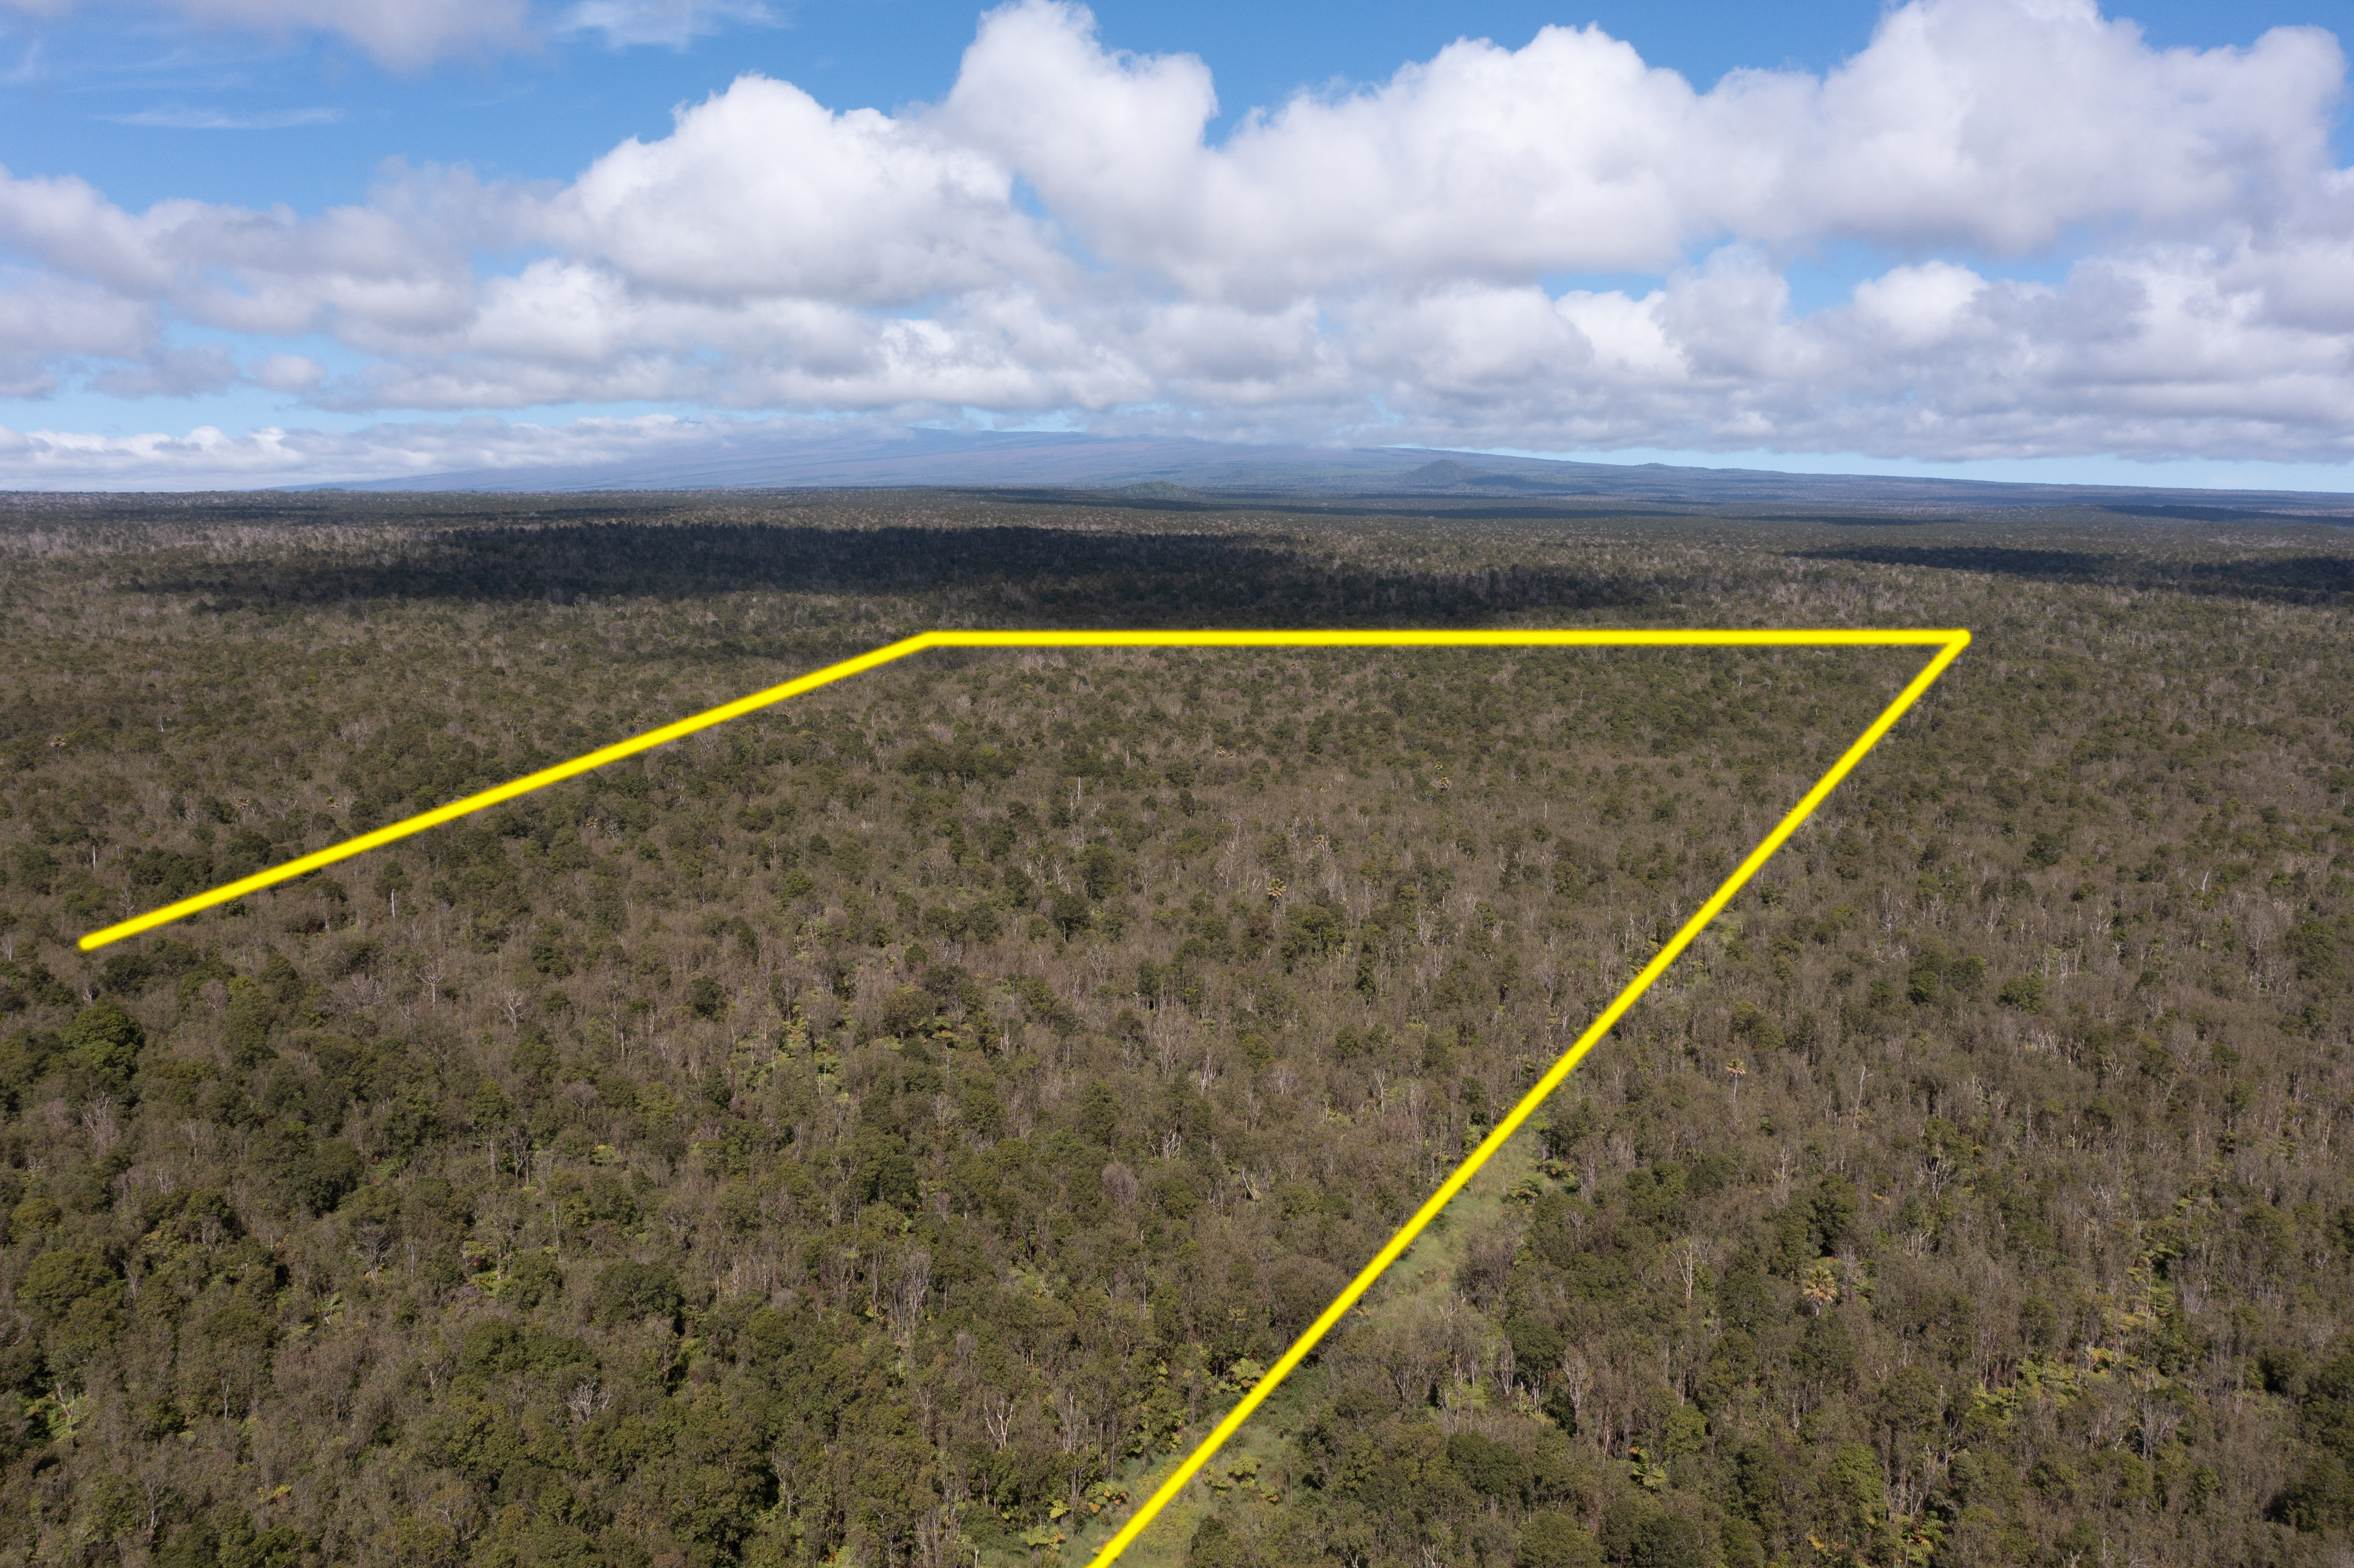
<point>1149,467</point>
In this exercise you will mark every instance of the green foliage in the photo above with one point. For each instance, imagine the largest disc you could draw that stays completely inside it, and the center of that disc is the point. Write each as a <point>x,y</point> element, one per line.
<point>106,1040</point>
<point>2024,993</point>
<point>54,1281</point>
<point>886,1129</point>
<point>627,1290</point>
<point>532,1280</point>
<point>1637,1533</point>
<point>1554,1541</point>
<point>322,1173</point>
<point>706,997</point>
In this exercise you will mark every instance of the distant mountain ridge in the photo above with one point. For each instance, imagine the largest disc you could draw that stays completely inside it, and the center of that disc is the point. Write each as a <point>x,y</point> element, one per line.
<point>1164,468</point>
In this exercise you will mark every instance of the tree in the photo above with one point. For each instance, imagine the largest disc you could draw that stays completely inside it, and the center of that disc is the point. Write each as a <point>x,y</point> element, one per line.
<point>54,1281</point>
<point>106,1040</point>
<point>849,1102</point>
<point>1554,1541</point>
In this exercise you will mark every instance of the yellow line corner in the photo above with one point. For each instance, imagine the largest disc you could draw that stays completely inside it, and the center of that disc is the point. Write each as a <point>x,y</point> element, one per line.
<point>1948,643</point>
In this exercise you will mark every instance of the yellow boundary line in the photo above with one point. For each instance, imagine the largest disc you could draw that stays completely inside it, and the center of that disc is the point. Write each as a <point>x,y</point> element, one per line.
<point>1954,641</point>
<point>1948,644</point>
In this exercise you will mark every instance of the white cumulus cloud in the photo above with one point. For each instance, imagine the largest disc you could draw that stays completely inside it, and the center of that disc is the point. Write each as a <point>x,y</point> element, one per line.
<point>2086,245</point>
<point>761,191</point>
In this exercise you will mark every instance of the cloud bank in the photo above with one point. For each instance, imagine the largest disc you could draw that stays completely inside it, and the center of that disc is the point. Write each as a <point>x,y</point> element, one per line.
<point>210,459</point>
<point>2086,245</point>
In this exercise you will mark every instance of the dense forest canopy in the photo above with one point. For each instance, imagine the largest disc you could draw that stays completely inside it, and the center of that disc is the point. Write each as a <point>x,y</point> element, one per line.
<point>891,1129</point>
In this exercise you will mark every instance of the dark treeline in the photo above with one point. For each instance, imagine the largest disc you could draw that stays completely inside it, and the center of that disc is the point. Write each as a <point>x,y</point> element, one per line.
<point>887,1129</point>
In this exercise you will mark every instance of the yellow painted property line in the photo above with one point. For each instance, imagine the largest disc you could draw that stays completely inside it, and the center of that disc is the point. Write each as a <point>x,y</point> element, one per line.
<point>1948,643</point>
<point>1763,638</point>
<point>523,785</point>
<point>1949,646</point>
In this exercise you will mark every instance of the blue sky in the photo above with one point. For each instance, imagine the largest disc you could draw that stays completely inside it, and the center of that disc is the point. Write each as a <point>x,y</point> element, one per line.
<point>492,233</point>
<point>96,92</point>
